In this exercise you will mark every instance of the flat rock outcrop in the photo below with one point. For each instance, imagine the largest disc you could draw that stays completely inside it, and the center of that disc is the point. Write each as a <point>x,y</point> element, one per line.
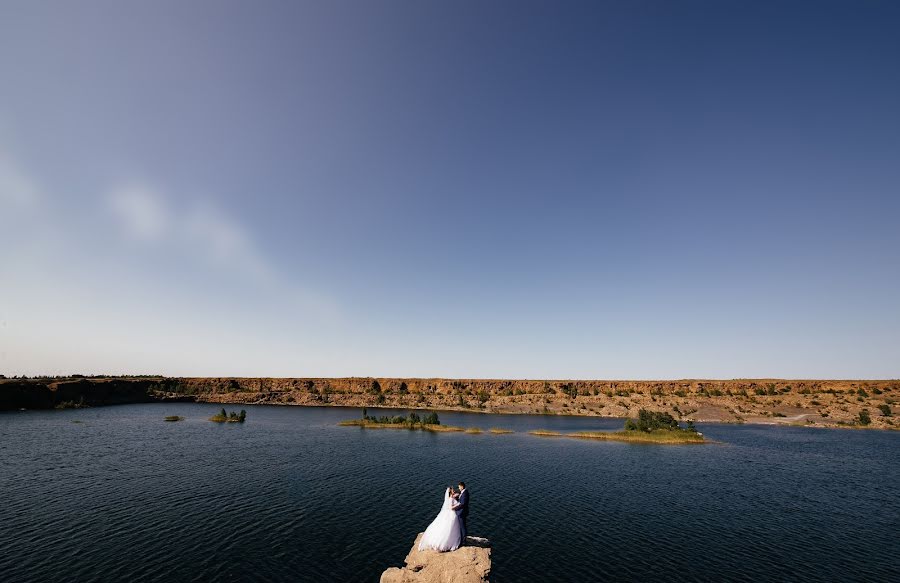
<point>468,564</point>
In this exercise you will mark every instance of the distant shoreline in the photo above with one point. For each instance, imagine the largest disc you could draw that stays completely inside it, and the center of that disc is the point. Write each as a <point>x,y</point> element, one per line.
<point>813,403</point>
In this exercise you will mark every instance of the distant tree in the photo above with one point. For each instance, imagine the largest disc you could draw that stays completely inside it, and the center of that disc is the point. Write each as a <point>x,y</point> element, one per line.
<point>365,414</point>
<point>431,419</point>
<point>414,418</point>
<point>242,416</point>
<point>222,413</point>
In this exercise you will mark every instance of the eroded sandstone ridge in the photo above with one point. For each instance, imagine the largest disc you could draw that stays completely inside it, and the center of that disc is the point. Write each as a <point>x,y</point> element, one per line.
<point>856,403</point>
<point>468,564</point>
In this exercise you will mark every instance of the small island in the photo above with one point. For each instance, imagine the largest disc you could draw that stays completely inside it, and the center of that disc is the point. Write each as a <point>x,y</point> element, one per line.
<point>223,417</point>
<point>649,427</point>
<point>413,422</point>
<point>174,418</point>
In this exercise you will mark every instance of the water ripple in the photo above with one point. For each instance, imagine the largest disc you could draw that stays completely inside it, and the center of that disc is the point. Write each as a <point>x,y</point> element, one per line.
<point>289,496</point>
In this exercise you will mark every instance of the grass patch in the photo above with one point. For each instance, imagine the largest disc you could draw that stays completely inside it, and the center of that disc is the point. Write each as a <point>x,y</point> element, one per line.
<point>174,418</point>
<point>441,428</point>
<point>500,431</point>
<point>545,433</point>
<point>664,436</point>
<point>473,430</point>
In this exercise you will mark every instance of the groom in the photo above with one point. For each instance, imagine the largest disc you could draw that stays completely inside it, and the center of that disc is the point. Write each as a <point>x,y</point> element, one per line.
<point>461,506</point>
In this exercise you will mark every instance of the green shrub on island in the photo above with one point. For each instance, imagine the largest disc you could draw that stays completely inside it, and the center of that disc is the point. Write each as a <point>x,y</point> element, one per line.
<point>223,417</point>
<point>659,422</point>
<point>648,421</point>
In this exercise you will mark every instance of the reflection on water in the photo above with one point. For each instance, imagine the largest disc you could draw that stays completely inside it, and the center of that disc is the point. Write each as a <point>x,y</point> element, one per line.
<point>291,496</point>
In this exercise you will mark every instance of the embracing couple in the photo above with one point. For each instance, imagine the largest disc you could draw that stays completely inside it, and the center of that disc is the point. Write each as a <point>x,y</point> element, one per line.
<point>447,532</point>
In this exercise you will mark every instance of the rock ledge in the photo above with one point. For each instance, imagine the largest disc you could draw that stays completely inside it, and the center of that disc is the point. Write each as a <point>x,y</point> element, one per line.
<point>468,564</point>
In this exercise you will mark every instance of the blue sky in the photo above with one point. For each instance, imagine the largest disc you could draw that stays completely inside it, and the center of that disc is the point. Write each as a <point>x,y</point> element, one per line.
<point>468,189</point>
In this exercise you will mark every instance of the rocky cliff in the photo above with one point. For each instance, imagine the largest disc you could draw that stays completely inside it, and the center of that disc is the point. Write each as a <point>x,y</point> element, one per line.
<point>468,564</point>
<point>808,402</point>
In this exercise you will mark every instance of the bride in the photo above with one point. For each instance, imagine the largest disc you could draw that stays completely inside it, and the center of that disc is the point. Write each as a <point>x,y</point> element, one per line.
<point>445,532</point>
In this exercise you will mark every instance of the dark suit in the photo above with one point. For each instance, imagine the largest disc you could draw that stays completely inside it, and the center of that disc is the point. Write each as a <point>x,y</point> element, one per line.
<point>462,510</point>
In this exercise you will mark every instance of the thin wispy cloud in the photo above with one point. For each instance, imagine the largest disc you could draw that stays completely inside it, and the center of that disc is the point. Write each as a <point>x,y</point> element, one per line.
<point>16,187</point>
<point>143,280</point>
<point>142,213</point>
<point>196,228</point>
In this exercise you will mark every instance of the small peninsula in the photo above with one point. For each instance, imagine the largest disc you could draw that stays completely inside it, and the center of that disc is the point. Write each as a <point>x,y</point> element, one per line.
<point>470,563</point>
<point>650,427</point>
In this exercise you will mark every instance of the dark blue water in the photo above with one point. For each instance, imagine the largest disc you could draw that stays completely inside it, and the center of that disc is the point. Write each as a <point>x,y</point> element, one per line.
<point>290,496</point>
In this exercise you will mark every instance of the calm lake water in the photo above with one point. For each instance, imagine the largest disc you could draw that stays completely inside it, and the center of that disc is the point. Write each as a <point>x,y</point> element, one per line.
<point>289,496</point>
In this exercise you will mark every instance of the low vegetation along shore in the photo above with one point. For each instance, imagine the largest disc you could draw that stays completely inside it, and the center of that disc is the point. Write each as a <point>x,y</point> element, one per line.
<point>818,403</point>
<point>649,427</point>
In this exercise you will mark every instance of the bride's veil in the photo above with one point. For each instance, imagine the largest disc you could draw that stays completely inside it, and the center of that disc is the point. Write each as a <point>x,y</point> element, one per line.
<point>447,499</point>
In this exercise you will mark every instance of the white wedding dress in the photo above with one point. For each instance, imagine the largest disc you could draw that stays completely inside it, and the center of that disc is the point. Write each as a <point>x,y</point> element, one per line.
<point>445,531</point>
